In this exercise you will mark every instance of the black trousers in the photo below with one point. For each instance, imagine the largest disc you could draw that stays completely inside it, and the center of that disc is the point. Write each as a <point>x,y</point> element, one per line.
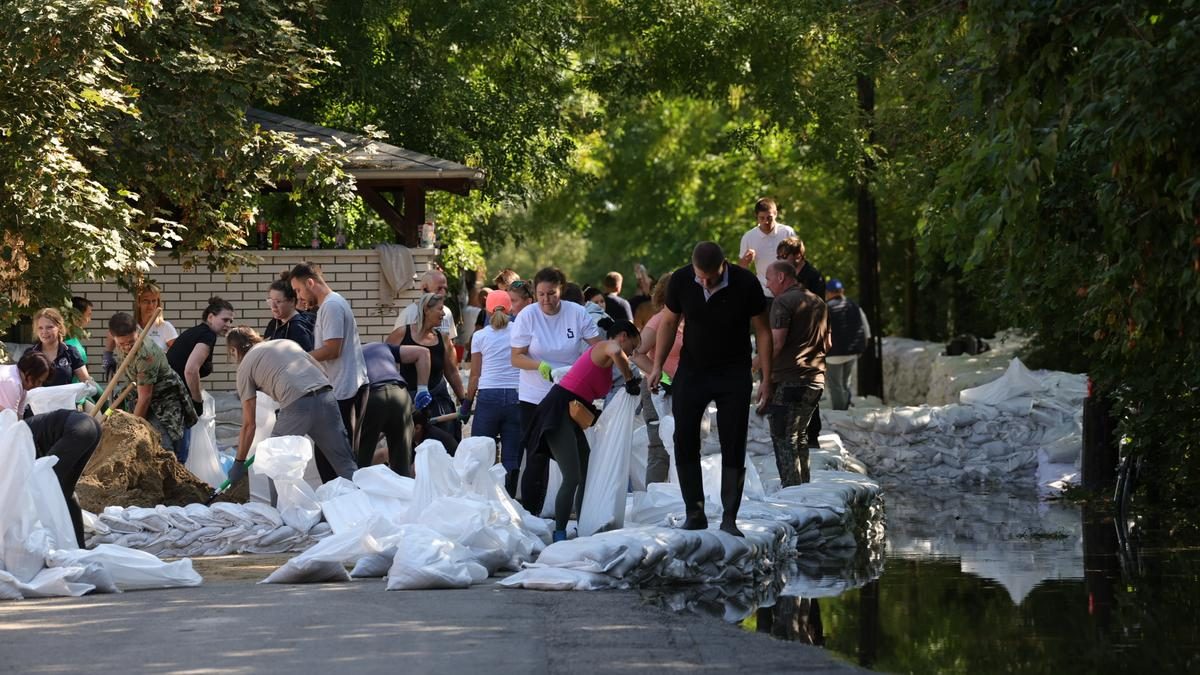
<point>536,476</point>
<point>72,437</point>
<point>691,393</point>
<point>388,412</point>
<point>349,409</point>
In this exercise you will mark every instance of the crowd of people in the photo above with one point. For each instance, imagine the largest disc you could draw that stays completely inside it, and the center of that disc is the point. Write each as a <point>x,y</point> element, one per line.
<point>541,351</point>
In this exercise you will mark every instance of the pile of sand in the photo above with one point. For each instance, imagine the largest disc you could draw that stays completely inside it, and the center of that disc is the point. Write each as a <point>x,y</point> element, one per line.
<point>130,468</point>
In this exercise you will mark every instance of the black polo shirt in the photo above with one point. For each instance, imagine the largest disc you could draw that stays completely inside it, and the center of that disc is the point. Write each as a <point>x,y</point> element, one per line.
<point>716,330</point>
<point>63,364</point>
<point>181,349</point>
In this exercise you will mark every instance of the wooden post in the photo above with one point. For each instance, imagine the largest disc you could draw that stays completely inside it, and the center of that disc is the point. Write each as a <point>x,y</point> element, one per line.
<point>124,364</point>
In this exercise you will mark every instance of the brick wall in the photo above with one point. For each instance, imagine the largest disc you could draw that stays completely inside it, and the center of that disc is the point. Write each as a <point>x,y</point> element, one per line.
<point>353,273</point>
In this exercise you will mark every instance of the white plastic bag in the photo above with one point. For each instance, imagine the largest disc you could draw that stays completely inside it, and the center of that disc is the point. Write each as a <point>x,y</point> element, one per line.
<point>1017,382</point>
<point>203,460</point>
<point>608,468</point>
<point>284,459</point>
<point>130,569</point>
<point>51,505</point>
<point>639,457</point>
<point>425,559</point>
<point>436,477</point>
<point>23,540</point>
<point>48,399</point>
<point>264,426</point>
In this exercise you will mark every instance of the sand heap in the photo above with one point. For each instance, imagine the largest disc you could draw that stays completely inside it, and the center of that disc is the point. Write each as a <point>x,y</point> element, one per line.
<point>130,468</point>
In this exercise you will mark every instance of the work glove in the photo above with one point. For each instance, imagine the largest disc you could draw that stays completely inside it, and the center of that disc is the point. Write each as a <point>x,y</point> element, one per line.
<point>198,406</point>
<point>91,390</point>
<point>665,384</point>
<point>633,387</point>
<point>464,410</point>
<point>423,399</point>
<point>237,472</point>
<point>110,365</point>
<point>546,371</point>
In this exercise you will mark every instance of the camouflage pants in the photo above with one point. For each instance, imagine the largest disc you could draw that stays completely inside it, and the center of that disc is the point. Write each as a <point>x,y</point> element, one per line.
<point>792,406</point>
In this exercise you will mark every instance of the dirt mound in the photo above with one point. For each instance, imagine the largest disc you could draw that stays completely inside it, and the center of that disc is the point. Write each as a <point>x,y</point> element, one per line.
<point>130,468</point>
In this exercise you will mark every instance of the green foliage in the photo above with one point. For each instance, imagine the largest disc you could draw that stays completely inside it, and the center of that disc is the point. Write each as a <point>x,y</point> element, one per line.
<point>124,131</point>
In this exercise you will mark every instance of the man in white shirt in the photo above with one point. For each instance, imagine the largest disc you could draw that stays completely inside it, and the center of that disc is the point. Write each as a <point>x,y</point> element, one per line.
<point>759,244</point>
<point>433,281</point>
<point>336,346</point>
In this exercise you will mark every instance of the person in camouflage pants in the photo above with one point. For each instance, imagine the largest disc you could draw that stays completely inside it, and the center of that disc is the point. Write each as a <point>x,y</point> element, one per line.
<point>160,396</point>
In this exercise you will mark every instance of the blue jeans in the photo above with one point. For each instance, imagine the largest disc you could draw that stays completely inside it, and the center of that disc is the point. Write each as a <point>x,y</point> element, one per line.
<point>183,445</point>
<point>498,415</point>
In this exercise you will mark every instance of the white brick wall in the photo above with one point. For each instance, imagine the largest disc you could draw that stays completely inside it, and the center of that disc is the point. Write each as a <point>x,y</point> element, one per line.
<point>354,274</point>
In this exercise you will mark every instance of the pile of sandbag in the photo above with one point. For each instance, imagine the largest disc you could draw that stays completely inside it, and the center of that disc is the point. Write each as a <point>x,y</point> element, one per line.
<point>38,554</point>
<point>995,435</point>
<point>199,530</point>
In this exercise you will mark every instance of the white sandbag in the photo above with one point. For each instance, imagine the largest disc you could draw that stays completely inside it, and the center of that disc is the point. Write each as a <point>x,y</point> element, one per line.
<point>436,477</point>
<point>284,459</point>
<point>203,458</point>
<point>607,482</point>
<point>48,399</point>
<point>348,511</point>
<point>1016,382</point>
<point>426,559</point>
<point>23,540</point>
<point>475,455</point>
<point>130,569</point>
<point>639,457</point>
<point>335,488</point>
<point>56,582</point>
<point>308,572</point>
<point>382,481</point>
<point>541,578</point>
<point>264,426</point>
<point>50,504</point>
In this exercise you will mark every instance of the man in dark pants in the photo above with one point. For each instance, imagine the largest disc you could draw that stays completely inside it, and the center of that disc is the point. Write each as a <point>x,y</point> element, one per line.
<point>72,437</point>
<point>793,250</point>
<point>718,300</point>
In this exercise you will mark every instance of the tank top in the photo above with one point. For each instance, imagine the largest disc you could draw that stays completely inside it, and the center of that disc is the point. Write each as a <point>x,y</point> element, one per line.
<point>437,361</point>
<point>587,380</point>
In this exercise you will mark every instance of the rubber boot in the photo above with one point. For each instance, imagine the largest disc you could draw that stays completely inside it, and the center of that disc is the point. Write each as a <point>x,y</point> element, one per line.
<point>691,485</point>
<point>511,480</point>
<point>732,483</point>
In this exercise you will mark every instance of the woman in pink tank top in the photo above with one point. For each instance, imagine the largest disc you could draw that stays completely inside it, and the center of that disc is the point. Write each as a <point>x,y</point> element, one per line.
<point>552,429</point>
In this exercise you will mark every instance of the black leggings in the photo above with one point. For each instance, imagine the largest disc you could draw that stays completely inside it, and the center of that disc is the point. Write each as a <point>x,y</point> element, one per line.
<point>72,437</point>
<point>535,477</point>
<point>388,412</point>
<point>570,449</point>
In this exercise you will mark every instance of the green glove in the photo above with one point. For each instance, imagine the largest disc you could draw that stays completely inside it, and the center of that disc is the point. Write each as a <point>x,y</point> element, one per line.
<point>545,369</point>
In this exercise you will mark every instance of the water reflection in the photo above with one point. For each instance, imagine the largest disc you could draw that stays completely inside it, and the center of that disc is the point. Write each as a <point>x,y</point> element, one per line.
<point>981,583</point>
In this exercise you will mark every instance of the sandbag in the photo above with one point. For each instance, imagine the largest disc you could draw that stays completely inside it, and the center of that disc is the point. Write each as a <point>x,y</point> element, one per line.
<point>607,482</point>
<point>284,460</point>
<point>23,540</point>
<point>48,399</point>
<point>130,569</point>
<point>264,426</point>
<point>51,505</point>
<point>204,460</point>
<point>1016,382</point>
<point>425,559</point>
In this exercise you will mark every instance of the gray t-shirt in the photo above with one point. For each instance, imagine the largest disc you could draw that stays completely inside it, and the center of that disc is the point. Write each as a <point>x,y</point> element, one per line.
<point>282,370</point>
<point>335,320</point>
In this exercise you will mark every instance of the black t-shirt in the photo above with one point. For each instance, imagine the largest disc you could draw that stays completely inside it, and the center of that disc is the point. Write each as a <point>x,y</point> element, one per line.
<point>716,331</point>
<point>181,350</point>
<point>812,279</point>
<point>65,363</point>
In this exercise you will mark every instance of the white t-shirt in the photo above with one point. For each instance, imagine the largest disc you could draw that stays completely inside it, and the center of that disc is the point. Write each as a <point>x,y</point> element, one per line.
<point>409,315</point>
<point>557,340</point>
<point>161,334</point>
<point>765,247</point>
<point>493,346</point>
<point>335,320</point>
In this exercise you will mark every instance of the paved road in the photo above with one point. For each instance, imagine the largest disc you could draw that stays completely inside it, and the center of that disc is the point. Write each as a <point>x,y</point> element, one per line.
<point>233,625</point>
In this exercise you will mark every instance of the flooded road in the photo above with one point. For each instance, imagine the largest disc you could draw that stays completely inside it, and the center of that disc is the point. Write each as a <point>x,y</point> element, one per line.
<point>981,583</point>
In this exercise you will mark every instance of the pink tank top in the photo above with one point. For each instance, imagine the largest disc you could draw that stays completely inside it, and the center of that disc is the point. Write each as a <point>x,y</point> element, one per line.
<point>586,379</point>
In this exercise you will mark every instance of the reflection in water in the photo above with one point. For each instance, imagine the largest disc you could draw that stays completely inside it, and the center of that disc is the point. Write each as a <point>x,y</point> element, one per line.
<point>982,583</point>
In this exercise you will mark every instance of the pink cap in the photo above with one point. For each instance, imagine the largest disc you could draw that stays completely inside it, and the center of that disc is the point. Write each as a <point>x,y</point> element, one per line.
<point>498,300</point>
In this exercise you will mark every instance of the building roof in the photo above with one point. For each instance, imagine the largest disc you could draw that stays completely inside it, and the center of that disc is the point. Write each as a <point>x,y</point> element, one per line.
<point>374,162</point>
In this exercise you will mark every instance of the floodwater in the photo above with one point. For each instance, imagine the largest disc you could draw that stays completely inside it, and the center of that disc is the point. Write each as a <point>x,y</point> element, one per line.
<point>981,583</point>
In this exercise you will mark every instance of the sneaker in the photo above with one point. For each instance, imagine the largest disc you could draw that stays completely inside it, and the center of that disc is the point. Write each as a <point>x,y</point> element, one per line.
<point>559,535</point>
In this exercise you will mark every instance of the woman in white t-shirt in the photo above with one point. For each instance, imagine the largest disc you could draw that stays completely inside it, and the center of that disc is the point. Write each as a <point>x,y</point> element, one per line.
<point>147,302</point>
<point>550,335</point>
<point>493,383</point>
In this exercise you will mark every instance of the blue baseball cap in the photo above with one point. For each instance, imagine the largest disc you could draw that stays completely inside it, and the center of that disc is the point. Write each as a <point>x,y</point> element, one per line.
<point>835,285</point>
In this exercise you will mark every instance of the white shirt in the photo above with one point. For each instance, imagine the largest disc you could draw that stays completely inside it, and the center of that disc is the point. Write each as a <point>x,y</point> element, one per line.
<point>160,334</point>
<point>410,315</point>
<point>12,391</point>
<point>493,346</point>
<point>765,249</point>
<point>557,340</point>
<point>348,371</point>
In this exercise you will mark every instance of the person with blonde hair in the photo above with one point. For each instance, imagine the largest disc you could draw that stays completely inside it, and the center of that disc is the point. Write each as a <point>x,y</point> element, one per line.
<point>51,330</point>
<point>493,384</point>
<point>147,302</point>
<point>443,364</point>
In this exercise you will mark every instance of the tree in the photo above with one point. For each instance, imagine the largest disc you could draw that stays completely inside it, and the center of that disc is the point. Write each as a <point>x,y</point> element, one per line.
<point>124,131</point>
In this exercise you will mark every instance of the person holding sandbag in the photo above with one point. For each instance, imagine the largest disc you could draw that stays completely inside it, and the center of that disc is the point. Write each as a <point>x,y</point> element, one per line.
<point>559,420</point>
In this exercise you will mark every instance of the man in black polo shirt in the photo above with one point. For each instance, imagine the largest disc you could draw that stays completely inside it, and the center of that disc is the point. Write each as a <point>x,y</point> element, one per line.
<point>717,300</point>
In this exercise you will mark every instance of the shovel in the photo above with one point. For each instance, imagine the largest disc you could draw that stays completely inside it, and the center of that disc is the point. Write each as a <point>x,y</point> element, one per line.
<point>225,486</point>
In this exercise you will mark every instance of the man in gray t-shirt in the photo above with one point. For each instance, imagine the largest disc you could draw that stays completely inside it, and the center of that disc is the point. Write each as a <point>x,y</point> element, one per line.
<point>283,371</point>
<point>336,344</point>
